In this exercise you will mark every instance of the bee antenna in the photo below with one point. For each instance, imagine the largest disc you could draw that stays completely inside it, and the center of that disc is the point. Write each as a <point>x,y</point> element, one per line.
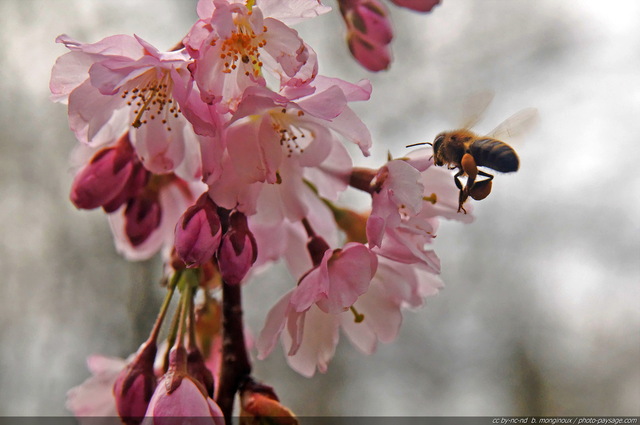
<point>418,144</point>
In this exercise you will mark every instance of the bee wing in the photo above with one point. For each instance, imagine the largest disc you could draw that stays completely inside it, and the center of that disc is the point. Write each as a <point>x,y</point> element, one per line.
<point>516,125</point>
<point>474,107</point>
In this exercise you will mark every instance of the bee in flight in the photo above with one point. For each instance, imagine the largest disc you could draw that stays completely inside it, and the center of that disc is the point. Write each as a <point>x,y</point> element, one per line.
<point>465,150</point>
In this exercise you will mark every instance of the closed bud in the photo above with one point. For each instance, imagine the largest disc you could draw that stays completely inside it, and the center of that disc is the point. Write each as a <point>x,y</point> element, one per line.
<point>238,249</point>
<point>317,246</point>
<point>198,232</point>
<point>104,177</point>
<point>417,5</point>
<point>137,180</point>
<point>180,397</point>
<point>259,404</point>
<point>198,370</point>
<point>373,56</point>
<point>135,385</point>
<point>371,19</point>
<point>142,217</point>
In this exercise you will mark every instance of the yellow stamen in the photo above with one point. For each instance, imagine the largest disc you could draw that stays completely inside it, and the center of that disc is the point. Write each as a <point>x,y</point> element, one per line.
<point>433,198</point>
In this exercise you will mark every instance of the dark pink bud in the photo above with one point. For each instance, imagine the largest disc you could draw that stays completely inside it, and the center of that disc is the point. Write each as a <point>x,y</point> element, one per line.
<point>135,385</point>
<point>371,19</point>
<point>417,5</point>
<point>198,232</point>
<point>238,250</point>
<point>104,177</point>
<point>181,399</point>
<point>317,246</point>
<point>133,187</point>
<point>142,217</point>
<point>197,369</point>
<point>374,57</point>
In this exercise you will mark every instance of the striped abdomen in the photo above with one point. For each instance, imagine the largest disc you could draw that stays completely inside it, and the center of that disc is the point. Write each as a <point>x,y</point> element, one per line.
<point>494,154</point>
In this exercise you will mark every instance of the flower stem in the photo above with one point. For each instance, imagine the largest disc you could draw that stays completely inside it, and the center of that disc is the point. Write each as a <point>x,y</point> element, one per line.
<point>165,306</point>
<point>236,367</point>
<point>188,287</point>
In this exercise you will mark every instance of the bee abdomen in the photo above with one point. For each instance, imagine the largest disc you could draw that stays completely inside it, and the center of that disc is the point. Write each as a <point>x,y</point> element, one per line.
<point>494,154</point>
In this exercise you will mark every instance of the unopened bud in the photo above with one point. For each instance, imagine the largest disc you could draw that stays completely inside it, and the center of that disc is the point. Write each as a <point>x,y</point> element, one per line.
<point>198,232</point>
<point>371,19</point>
<point>135,385</point>
<point>137,180</point>
<point>142,217</point>
<point>417,5</point>
<point>198,370</point>
<point>238,249</point>
<point>373,56</point>
<point>317,246</point>
<point>104,177</point>
<point>260,402</point>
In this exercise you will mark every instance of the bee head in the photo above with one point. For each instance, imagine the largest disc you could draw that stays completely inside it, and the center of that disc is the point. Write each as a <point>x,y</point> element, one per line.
<point>437,143</point>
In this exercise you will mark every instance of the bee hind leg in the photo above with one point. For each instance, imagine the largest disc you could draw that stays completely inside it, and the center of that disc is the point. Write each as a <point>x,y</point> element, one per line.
<point>482,188</point>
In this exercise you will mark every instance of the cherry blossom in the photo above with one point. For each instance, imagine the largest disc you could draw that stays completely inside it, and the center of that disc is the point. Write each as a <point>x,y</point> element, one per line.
<point>123,83</point>
<point>336,283</point>
<point>233,42</point>
<point>94,397</point>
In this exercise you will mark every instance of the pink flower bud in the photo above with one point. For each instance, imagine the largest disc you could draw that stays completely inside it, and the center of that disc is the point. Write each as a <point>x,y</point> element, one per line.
<point>142,217</point>
<point>197,368</point>
<point>138,179</point>
<point>104,177</point>
<point>417,5</point>
<point>238,249</point>
<point>371,19</point>
<point>135,385</point>
<point>317,246</point>
<point>374,57</point>
<point>178,395</point>
<point>198,232</point>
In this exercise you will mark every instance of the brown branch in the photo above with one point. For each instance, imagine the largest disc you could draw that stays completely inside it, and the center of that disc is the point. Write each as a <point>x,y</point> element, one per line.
<point>236,367</point>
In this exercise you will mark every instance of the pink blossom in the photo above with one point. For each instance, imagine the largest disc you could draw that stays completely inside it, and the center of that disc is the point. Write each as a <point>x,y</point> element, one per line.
<point>94,397</point>
<point>337,282</point>
<point>268,127</point>
<point>121,83</point>
<point>309,338</point>
<point>305,351</point>
<point>232,44</point>
<point>198,232</point>
<point>395,287</point>
<point>281,238</point>
<point>398,193</point>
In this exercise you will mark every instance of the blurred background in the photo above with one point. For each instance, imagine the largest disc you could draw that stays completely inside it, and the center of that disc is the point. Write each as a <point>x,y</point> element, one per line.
<point>540,314</point>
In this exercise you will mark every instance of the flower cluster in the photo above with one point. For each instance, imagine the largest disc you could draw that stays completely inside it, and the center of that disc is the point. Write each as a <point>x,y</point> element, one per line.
<point>193,152</point>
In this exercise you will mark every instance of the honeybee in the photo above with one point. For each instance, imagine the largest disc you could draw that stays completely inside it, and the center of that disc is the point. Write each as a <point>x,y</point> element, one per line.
<point>465,150</point>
